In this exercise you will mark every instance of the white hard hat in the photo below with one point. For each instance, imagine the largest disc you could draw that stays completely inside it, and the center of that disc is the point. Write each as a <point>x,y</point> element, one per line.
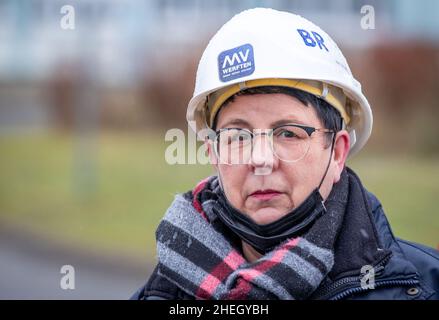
<point>266,47</point>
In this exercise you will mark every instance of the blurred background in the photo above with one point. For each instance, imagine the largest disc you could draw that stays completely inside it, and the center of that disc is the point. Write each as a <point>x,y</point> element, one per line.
<point>84,112</point>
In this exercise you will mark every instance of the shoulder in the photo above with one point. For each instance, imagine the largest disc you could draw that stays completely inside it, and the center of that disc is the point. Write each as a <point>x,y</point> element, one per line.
<point>419,250</point>
<point>411,249</point>
<point>426,261</point>
<point>424,258</point>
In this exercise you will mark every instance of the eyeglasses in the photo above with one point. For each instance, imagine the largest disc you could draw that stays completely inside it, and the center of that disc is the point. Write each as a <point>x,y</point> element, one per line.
<point>289,142</point>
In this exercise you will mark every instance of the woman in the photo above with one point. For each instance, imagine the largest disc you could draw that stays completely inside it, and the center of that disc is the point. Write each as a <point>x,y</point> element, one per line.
<point>283,218</point>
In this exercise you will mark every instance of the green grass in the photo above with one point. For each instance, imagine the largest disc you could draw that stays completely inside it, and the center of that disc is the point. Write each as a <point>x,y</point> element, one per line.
<point>115,202</point>
<point>44,187</point>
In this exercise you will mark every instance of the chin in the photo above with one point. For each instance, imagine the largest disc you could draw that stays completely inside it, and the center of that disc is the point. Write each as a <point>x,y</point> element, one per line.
<point>266,215</point>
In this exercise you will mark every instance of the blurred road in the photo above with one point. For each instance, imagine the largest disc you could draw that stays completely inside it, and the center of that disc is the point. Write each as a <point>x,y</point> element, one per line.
<point>30,269</point>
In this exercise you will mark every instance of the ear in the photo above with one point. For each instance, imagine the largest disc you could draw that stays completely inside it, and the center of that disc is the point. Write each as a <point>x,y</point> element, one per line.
<point>341,150</point>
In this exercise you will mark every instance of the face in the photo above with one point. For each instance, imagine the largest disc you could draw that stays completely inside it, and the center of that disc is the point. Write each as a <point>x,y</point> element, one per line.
<point>267,188</point>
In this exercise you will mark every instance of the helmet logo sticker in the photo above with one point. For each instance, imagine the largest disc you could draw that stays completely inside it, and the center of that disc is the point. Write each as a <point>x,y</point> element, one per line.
<point>236,63</point>
<point>312,39</point>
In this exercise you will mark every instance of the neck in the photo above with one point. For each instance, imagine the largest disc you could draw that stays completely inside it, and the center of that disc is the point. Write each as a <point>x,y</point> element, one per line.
<point>250,253</point>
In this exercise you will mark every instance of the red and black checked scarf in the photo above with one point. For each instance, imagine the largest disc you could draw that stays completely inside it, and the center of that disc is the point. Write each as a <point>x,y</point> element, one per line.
<point>197,254</point>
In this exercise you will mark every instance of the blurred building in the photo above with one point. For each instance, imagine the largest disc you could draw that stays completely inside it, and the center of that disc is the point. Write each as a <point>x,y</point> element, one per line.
<point>116,35</point>
<point>121,43</point>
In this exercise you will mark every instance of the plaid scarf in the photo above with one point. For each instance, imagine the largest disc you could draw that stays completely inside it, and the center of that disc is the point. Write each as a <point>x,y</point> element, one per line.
<point>200,256</point>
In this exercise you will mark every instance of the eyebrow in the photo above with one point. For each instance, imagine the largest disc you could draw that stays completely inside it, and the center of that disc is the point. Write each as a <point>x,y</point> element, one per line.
<point>238,122</point>
<point>286,121</point>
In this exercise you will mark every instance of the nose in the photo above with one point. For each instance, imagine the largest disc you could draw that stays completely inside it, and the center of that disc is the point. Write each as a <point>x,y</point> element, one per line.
<point>262,158</point>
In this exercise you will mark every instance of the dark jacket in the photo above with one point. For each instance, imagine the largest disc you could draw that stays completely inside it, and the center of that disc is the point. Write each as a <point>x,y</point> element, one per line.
<point>410,273</point>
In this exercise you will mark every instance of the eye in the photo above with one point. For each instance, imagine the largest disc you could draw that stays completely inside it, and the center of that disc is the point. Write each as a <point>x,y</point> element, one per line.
<point>240,137</point>
<point>284,133</point>
<point>235,137</point>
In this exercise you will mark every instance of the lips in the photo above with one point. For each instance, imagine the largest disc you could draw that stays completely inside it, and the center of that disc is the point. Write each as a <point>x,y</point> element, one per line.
<point>266,194</point>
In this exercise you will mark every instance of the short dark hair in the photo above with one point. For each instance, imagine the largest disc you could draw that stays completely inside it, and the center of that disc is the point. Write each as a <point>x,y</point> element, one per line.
<point>329,116</point>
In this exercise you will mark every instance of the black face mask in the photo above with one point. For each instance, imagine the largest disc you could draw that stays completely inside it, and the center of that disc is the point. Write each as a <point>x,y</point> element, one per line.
<point>265,237</point>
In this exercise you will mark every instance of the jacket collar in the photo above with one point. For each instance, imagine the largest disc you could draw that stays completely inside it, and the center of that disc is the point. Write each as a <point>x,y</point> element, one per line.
<point>398,266</point>
<point>366,239</point>
<point>359,243</point>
